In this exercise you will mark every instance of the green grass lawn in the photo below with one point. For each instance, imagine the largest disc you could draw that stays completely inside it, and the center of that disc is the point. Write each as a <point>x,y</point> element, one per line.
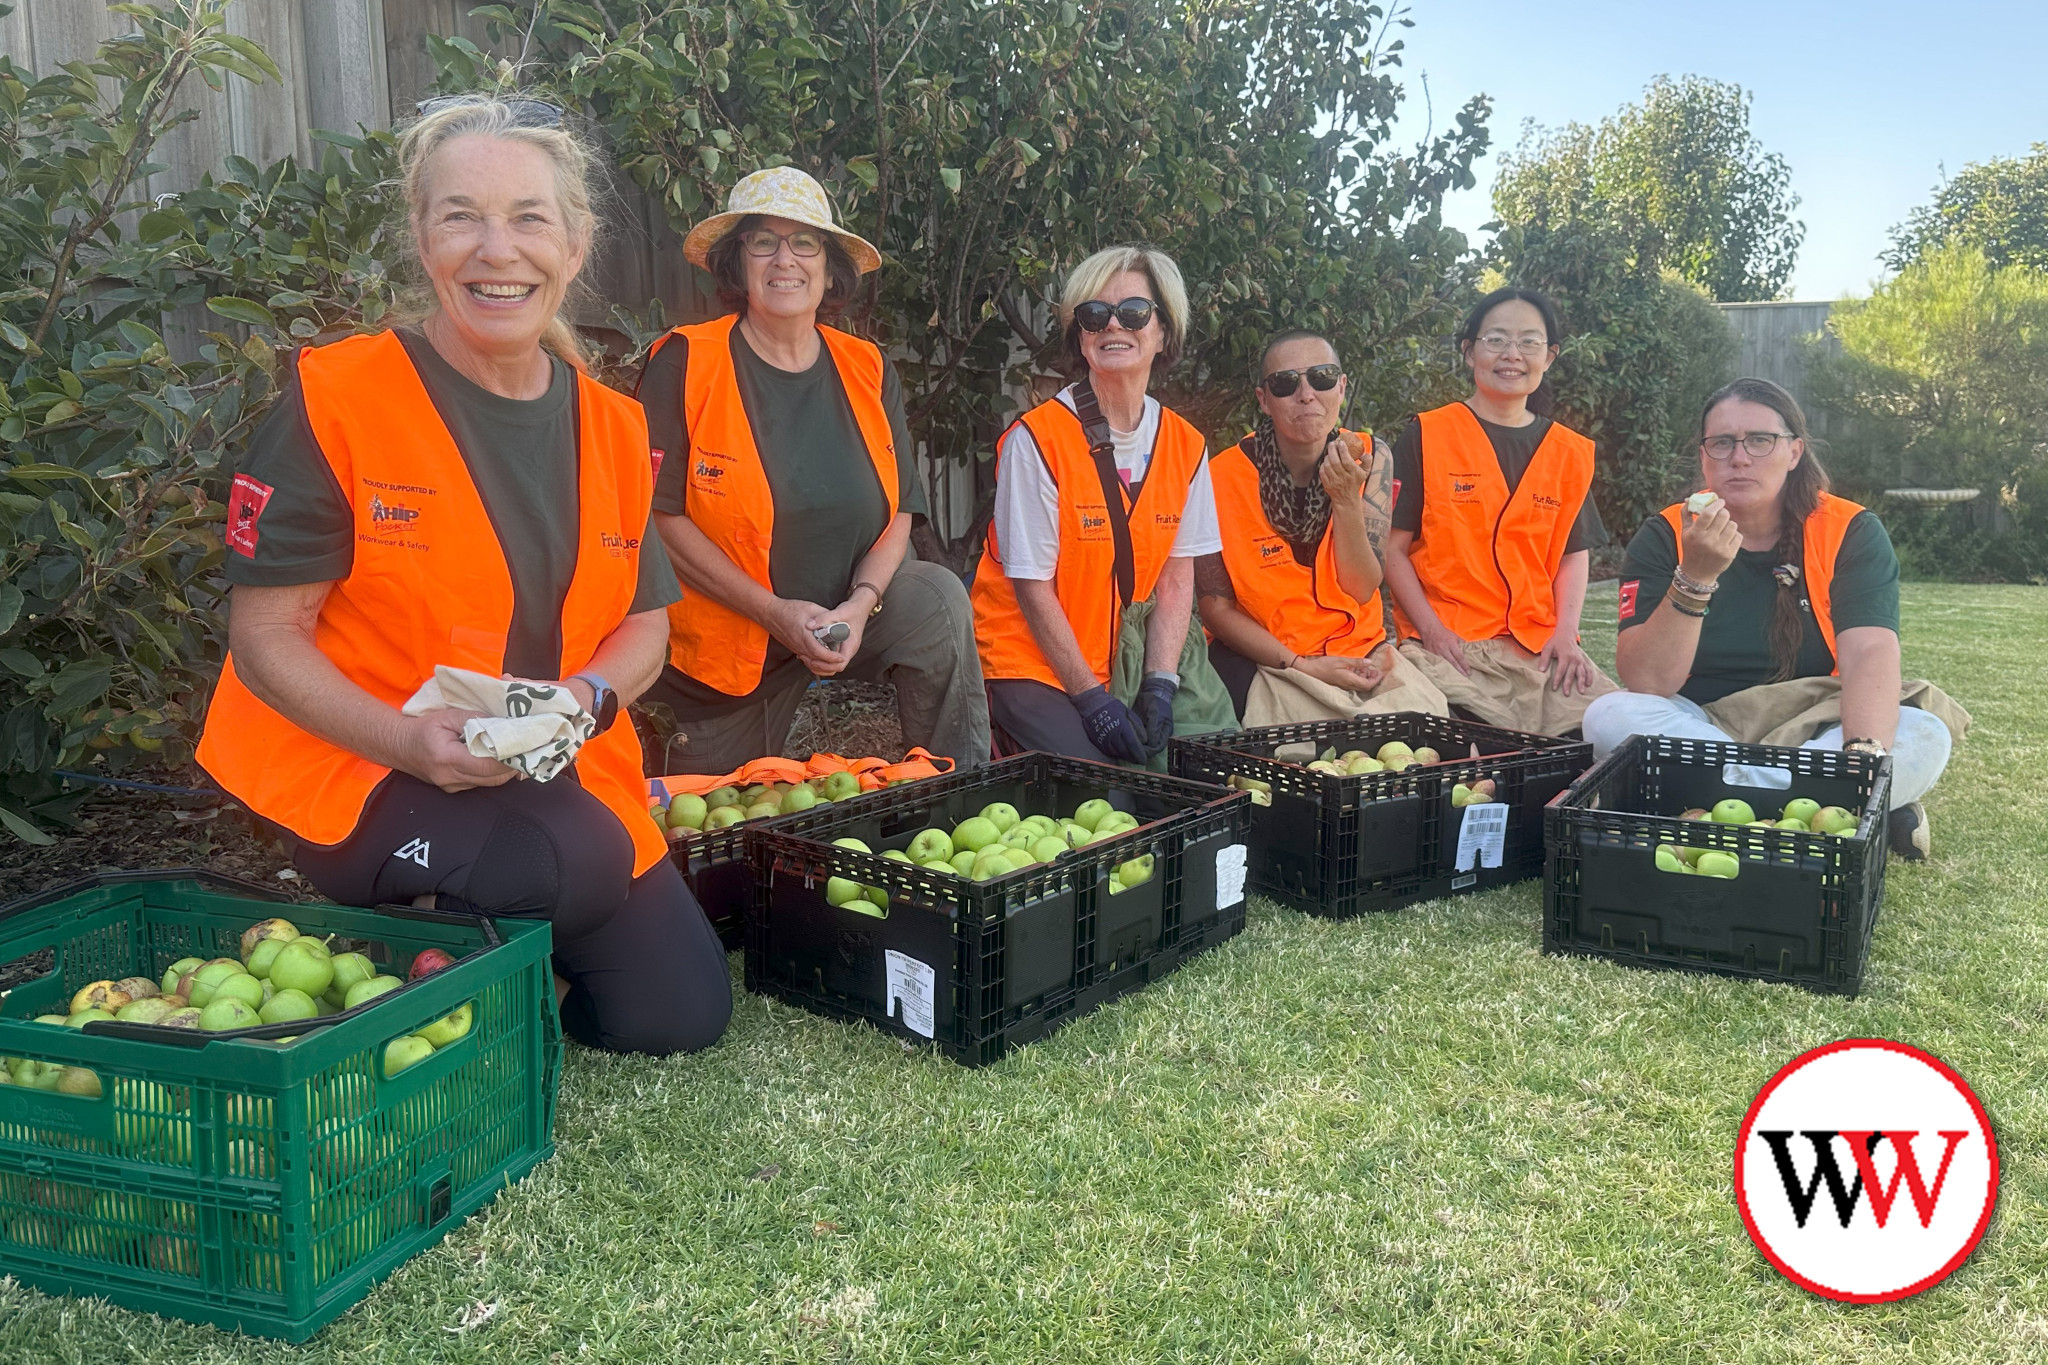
<point>1407,1137</point>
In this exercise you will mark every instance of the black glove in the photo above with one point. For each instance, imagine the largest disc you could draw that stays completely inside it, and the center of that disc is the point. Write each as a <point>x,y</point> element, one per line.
<point>1154,709</point>
<point>1110,725</point>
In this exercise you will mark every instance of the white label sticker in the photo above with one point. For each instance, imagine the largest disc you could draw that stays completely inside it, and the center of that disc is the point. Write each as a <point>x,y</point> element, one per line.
<point>911,988</point>
<point>1230,866</point>
<point>1482,835</point>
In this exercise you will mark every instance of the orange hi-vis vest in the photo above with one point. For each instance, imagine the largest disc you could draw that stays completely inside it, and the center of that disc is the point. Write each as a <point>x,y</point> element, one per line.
<point>1826,527</point>
<point>1085,576</point>
<point>1487,557</point>
<point>1304,607</point>
<point>430,585</point>
<point>729,499</point>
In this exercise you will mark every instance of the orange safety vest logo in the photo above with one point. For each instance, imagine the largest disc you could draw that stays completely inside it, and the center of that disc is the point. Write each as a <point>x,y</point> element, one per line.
<point>430,584</point>
<point>728,497</point>
<point>1303,606</point>
<point>1487,557</point>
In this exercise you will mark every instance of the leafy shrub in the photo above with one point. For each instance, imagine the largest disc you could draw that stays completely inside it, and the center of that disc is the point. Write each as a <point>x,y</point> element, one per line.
<point>138,345</point>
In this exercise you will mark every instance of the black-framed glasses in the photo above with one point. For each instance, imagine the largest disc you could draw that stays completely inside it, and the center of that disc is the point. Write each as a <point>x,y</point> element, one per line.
<point>526,111</point>
<point>1759,444</point>
<point>1321,378</point>
<point>1133,314</point>
<point>765,242</point>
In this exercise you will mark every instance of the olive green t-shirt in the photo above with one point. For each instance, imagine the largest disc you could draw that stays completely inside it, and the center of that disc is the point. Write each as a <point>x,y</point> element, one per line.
<point>522,456</point>
<point>829,506</point>
<point>1735,640</point>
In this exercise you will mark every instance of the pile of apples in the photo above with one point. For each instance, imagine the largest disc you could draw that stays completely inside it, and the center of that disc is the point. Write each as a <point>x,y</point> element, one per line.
<point>687,813</point>
<point>1800,813</point>
<point>1393,757</point>
<point>281,977</point>
<point>995,843</point>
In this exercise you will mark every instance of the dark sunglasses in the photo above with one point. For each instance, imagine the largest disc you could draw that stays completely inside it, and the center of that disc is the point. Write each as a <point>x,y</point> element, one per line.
<point>526,113</point>
<point>1321,378</point>
<point>1135,314</point>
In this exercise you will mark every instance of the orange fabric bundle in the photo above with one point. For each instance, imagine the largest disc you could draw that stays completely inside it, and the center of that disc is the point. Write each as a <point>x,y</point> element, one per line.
<point>873,773</point>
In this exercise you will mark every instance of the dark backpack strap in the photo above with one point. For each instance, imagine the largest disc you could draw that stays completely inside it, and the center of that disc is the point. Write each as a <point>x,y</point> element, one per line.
<point>1102,450</point>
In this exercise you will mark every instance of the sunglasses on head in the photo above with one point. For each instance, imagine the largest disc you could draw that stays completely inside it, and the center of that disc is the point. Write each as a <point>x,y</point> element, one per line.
<point>1133,313</point>
<point>526,113</point>
<point>1321,378</point>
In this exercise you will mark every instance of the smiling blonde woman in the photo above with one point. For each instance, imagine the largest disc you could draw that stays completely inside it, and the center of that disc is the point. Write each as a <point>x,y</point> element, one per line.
<point>458,492</point>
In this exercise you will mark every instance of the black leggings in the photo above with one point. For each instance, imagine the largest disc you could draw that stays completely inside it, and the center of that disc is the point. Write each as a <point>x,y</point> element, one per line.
<point>645,971</point>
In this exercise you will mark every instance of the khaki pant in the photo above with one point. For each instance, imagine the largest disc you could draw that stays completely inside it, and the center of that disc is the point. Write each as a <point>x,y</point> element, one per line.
<point>1505,687</point>
<point>1281,696</point>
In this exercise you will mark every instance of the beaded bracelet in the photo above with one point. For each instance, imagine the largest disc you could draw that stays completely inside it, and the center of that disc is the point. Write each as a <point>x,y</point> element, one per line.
<point>1691,586</point>
<point>1697,614</point>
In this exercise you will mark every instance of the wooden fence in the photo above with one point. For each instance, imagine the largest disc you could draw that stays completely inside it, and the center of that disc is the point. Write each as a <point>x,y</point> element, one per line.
<point>1773,341</point>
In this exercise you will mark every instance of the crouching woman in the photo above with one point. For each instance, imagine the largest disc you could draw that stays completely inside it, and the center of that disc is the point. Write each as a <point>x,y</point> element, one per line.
<point>1766,610</point>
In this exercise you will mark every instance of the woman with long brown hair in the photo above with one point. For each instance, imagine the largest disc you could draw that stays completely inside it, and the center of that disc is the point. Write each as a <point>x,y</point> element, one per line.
<point>1769,614</point>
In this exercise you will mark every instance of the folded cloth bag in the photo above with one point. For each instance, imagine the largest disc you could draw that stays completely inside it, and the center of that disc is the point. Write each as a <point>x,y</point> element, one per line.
<point>1202,706</point>
<point>534,728</point>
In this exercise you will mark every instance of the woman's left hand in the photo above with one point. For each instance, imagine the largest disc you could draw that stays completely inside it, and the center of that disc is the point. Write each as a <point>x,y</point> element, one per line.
<point>1570,670</point>
<point>1343,475</point>
<point>855,615</point>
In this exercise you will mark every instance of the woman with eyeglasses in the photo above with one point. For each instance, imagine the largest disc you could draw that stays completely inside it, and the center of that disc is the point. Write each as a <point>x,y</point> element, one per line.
<point>1102,503</point>
<point>1293,599</point>
<point>457,490</point>
<point>1493,530</point>
<point>1766,609</point>
<point>787,482</point>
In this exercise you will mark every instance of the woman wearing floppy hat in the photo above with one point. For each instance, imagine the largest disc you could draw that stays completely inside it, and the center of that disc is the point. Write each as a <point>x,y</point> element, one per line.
<point>785,488</point>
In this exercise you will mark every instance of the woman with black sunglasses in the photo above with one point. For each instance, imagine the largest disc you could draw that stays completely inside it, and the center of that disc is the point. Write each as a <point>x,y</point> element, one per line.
<point>1766,609</point>
<point>1493,528</point>
<point>1102,503</point>
<point>1293,599</point>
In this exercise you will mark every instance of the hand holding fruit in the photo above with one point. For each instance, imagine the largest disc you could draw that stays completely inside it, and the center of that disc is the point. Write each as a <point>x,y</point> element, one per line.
<point>1343,469</point>
<point>1710,540</point>
<point>791,621</point>
<point>854,615</point>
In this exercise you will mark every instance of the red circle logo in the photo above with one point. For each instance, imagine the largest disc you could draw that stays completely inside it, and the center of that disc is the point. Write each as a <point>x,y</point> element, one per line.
<point>1866,1170</point>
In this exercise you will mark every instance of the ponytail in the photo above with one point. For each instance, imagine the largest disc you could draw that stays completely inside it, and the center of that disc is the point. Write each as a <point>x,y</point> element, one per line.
<point>1804,484</point>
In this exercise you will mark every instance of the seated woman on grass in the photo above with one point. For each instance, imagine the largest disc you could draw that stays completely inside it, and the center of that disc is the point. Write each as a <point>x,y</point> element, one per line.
<point>1767,611</point>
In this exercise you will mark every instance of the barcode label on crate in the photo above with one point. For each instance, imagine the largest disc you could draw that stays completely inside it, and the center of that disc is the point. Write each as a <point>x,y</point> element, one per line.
<point>911,988</point>
<point>1230,870</point>
<point>1483,835</point>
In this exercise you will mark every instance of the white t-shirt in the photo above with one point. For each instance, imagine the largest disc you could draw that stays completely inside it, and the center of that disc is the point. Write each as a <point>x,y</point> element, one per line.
<point>1027,512</point>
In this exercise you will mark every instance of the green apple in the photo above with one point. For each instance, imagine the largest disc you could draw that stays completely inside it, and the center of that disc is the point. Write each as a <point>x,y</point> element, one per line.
<point>854,844</point>
<point>940,865</point>
<point>1116,885</point>
<point>244,988</point>
<point>80,1018</point>
<point>265,956</point>
<point>797,798</point>
<point>897,855</point>
<point>448,1028</point>
<point>687,811</point>
<point>1044,824</point>
<point>877,896</point>
<point>1461,795</point>
<point>841,891</point>
<point>993,861</point>
<point>1802,809</point>
<point>30,1074</point>
<point>226,1012</point>
<point>1789,823</point>
<point>286,1006</point>
<point>1116,822</point>
<point>140,1108</point>
<point>204,980</point>
<point>1137,871</point>
<point>840,786</point>
<point>78,1080</point>
<point>975,833</point>
<point>349,968</point>
<point>721,796</point>
<point>929,845</point>
<point>1733,811</point>
<point>721,817</point>
<point>1018,836</point>
<point>1669,861</point>
<point>1089,813</point>
<point>764,810</point>
<point>364,991</point>
<point>147,1011</point>
<point>1076,835</point>
<point>176,972</point>
<point>963,861</point>
<point>408,1051</point>
<point>1834,820</point>
<point>1394,749</point>
<point>1364,763</point>
<point>1001,814</point>
<point>1047,847</point>
<point>305,965</point>
<point>1691,856</point>
<point>1717,863</point>
<point>57,1019</point>
<point>265,929</point>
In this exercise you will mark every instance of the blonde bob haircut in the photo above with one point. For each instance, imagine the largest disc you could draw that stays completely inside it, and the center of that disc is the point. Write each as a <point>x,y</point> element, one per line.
<point>1090,277</point>
<point>489,116</point>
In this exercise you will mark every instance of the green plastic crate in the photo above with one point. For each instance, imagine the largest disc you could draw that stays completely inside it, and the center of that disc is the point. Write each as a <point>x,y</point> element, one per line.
<point>261,1185</point>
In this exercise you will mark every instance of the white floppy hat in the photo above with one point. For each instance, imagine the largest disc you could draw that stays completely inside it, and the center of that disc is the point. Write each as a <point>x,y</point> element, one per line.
<point>778,192</point>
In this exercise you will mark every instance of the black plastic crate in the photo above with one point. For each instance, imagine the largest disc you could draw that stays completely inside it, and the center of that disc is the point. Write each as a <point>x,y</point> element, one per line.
<point>714,863</point>
<point>1800,911</point>
<point>1005,961</point>
<point>1341,846</point>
